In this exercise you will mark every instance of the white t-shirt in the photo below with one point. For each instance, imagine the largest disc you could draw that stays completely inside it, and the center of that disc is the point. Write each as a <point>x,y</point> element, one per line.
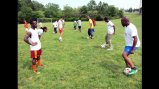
<point>131,31</point>
<point>40,31</point>
<point>35,38</point>
<point>110,27</point>
<point>55,24</point>
<point>79,22</point>
<point>60,22</point>
<point>75,23</point>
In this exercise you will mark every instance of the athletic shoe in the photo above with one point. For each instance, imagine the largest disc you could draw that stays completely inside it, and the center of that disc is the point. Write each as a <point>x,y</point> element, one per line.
<point>110,49</point>
<point>36,72</point>
<point>133,71</point>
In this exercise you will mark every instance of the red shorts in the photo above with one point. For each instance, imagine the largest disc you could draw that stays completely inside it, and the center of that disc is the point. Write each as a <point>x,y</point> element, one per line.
<point>60,30</point>
<point>35,53</point>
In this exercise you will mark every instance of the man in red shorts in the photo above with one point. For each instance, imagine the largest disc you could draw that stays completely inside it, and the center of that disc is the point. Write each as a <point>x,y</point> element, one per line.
<point>33,39</point>
<point>60,28</point>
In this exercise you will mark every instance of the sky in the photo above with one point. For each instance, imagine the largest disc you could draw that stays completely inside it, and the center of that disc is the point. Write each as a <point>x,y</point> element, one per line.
<point>121,4</point>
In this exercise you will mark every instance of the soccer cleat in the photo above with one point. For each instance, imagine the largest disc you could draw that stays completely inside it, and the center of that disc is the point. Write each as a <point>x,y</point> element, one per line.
<point>36,72</point>
<point>110,49</point>
<point>133,71</point>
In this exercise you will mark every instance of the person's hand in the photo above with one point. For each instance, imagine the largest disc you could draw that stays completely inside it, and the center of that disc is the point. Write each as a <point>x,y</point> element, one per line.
<point>132,51</point>
<point>34,43</point>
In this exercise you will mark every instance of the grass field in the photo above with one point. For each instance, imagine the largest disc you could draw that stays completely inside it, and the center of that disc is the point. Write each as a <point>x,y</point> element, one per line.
<point>78,62</point>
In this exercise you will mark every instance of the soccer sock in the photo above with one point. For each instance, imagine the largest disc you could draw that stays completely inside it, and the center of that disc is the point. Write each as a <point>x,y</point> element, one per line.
<point>39,63</point>
<point>34,67</point>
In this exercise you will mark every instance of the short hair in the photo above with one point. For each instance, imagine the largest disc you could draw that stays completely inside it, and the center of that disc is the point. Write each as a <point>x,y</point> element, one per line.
<point>33,19</point>
<point>125,18</point>
<point>43,28</point>
<point>105,18</point>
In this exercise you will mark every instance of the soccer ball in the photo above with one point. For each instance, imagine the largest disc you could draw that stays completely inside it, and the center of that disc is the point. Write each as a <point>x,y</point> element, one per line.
<point>127,71</point>
<point>60,39</point>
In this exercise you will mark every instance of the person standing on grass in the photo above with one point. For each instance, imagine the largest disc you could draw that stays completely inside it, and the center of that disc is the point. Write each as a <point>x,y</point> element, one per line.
<point>79,24</point>
<point>90,28</point>
<point>94,24</point>
<point>110,33</point>
<point>74,24</point>
<point>25,25</point>
<point>132,43</point>
<point>60,28</point>
<point>55,25</point>
<point>32,38</point>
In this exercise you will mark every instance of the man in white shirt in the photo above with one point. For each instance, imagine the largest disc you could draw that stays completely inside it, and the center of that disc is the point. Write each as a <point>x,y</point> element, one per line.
<point>132,43</point>
<point>55,25</point>
<point>110,32</point>
<point>75,24</point>
<point>32,38</point>
<point>79,24</point>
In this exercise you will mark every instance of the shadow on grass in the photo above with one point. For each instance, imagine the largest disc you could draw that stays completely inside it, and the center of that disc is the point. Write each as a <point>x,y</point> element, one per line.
<point>97,46</point>
<point>110,65</point>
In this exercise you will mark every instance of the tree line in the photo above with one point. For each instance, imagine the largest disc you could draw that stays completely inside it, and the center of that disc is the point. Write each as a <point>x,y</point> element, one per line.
<point>28,9</point>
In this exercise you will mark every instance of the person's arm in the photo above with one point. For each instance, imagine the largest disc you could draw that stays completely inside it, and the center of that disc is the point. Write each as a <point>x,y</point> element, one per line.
<point>134,44</point>
<point>91,25</point>
<point>114,29</point>
<point>26,39</point>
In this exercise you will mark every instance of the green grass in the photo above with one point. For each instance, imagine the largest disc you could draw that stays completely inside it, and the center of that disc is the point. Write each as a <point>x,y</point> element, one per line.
<point>78,62</point>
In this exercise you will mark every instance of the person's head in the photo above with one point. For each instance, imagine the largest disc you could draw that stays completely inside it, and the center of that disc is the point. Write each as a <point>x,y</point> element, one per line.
<point>88,16</point>
<point>61,18</point>
<point>106,19</point>
<point>44,29</point>
<point>124,21</point>
<point>33,23</point>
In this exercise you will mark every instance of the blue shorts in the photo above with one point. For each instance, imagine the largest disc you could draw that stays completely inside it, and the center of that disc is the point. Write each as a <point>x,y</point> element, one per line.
<point>128,49</point>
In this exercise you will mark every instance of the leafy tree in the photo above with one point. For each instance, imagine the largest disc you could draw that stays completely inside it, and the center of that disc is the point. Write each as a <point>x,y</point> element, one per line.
<point>37,6</point>
<point>112,11</point>
<point>92,5</point>
<point>68,11</point>
<point>52,10</point>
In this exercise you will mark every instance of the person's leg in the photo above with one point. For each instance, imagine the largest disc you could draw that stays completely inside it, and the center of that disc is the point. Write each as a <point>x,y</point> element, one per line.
<point>89,32</point>
<point>128,61</point>
<point>92,32</point>
<point>109,41</point>
<point>33,55</point>
<point>54,30</point>
<point>38,58</point>
<point>61,33</point>
<point>79,28</point>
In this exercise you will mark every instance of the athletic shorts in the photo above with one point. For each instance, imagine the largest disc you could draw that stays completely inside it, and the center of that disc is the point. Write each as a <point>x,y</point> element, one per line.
<point>60,30</point>
<point>108,38</point>
<point>35,53</point>
<point>79,27</point>
<point>127,49</point>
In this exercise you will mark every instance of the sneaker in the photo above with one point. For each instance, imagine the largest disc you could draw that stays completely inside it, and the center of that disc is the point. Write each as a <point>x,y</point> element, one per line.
<point>36,72</point>
<point>110,49</point>
<point>133,71</point>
